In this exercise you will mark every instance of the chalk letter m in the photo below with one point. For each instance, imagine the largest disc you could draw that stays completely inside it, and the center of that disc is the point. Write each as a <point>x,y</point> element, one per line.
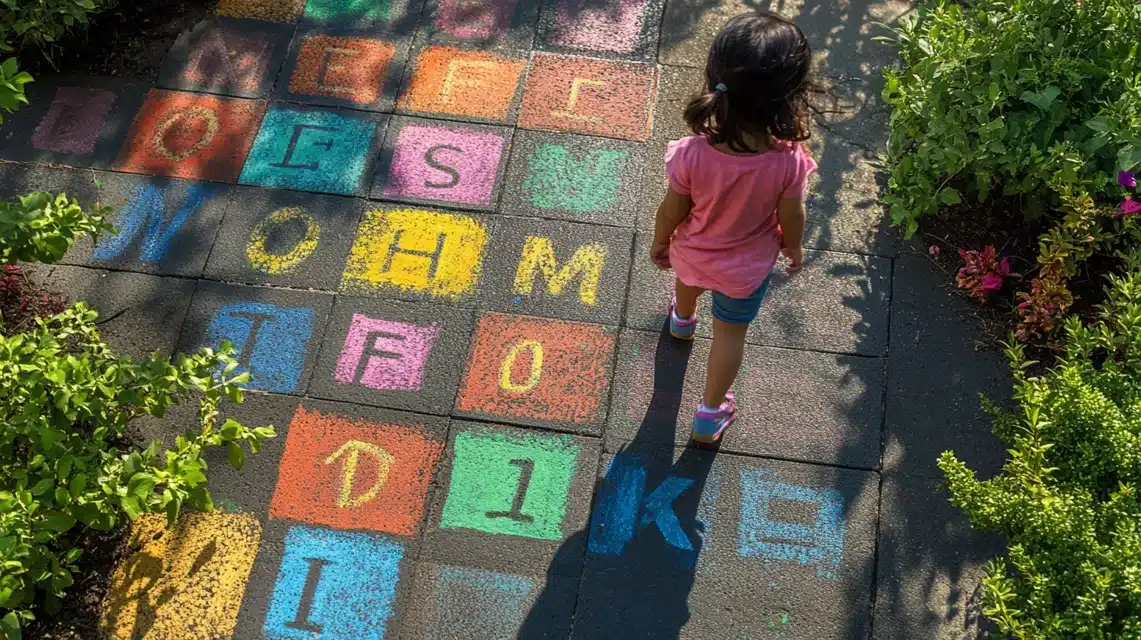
<point>539,255</point>
<point>147,209</point>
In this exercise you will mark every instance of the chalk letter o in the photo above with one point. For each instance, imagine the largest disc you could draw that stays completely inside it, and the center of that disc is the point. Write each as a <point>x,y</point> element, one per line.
<point>159,138</point>
<point>278,263</point>
<point>508,366</point>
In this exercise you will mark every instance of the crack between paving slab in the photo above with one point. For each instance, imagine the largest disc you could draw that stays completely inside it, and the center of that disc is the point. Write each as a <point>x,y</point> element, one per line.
<point>883,447</point>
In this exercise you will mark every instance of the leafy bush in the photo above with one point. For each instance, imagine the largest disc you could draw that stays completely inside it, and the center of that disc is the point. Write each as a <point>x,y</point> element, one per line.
<point>1026,97</point>
<point>1067,500</point>
<point>12,82</point>
<point>41,228</point>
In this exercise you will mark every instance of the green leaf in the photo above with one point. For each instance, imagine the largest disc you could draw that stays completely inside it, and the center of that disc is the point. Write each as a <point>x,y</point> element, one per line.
<point>237,455</point>
<point>949,196</point>
<point>10,625</point>
<point>59,521</point>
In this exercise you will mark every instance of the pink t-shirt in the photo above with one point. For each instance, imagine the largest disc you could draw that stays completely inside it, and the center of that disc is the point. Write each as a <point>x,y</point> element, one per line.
<point>731,239</point>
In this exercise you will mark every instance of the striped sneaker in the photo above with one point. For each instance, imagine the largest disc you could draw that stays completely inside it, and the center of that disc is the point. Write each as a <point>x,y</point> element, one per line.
<point>709,425</point>
<point>681,329</point>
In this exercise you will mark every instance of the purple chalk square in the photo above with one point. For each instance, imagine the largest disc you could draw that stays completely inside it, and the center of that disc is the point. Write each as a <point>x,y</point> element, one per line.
<point>475,19</point>
<point>451,164</point>
<point>610,26</point>
<point>74,120</point>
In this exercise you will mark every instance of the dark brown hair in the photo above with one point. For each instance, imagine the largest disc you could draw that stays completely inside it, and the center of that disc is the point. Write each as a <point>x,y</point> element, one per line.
<point>757,81</point>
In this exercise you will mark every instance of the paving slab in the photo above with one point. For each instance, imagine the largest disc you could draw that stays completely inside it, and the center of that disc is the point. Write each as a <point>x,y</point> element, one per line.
<point>500,24</point>
<point>163,226</point>
<point>625,29</point>
<point>585,95</point>
<point>18,179</point>
<point>937,360</point>
<point>138,314</point>
<point>190,135</point>
<point>930,564</point>
<point>465,84</point>
<point>538,372</point>
<point>75,121</point>
<point>792,404</point>
<point>272,10</point>
<point>316,149</point>
<point>842,203</point>
<point>398,17</point>
<point>511,499</point>
<point>557,269</point>
<point>688,544</point>
<point>440,163</point>
<point>676,87</point>
<point>284,238</point>
<point>838,302</point>
<point>344,69</point>
<point>275,332</point>
<point>575,178</point>
<point>238,58</point>
<point>393,354</point>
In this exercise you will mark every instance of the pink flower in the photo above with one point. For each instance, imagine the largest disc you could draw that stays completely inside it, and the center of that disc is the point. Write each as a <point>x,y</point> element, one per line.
<point>1004,268</point>
<point>1130,206</point>
<point>991,282</point>
<point>933,250</point>
<point>1126,179</point>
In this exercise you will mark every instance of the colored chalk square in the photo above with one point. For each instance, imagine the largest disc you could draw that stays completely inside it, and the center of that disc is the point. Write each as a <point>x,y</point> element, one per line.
<point>393,354</point>
<point>184,583</point>
<point>161,226</point>
<point>576,178</point>
<point>230,57</point>
<point>506,24</point>
<point>272,10</point>
<point>189,135</point>
<point>510,483</point>
<point>625,29</point>
<point>284,238</point>
<point>818,542</point>
<point>344,71</point>
<point>568,93</point>
<point>416,253</point>
<point>321,150</point>
<point>535,371</point>
<point>431,162</point>
<point>334,584</point>
<point>348,473</point>
<point>473,84</point>
<point>391,16</point>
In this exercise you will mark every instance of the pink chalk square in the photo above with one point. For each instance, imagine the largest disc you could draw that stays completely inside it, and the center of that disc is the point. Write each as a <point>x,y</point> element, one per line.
<point>610,26</point>
<point>385,355</point>
<point>469,19</point>
<point>74,120</point>
<point>441,163</point>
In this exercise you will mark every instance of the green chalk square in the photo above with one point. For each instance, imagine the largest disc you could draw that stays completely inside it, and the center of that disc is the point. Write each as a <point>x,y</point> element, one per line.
<point>311,150</point>
<point>347,10</point>
<point>485,481</point>
<point>558,179</point>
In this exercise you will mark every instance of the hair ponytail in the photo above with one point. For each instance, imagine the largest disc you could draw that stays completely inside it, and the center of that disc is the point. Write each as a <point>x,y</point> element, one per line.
<point>703,112</point>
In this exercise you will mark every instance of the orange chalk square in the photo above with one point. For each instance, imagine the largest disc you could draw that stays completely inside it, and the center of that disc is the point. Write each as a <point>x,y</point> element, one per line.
<point>463,83</point>
<point>350,69</point>
<point>191,135</point>
<point>540,370</point>
<point>599,97</point>
<point>272,10</point>
<point>347,473</point>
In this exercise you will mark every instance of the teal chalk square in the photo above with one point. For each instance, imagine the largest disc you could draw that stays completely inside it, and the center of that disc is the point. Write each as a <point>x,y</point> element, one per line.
<point>311,150</point>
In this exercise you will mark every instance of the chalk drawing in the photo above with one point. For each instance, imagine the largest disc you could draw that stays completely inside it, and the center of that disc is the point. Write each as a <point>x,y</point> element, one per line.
<point>462,82</point>
<point>271,342</point>
<point>572,101</point>
<point>347,11</point>
<point>74,120</point>
<point>535,372</point>
<point>396,358</point>
<point>475,19</point>
<point>493,602</point>
<point>337,585</point>
<point>439,254</point>
<point>146,212</point>
<point>228,59</point>
<point>557,180</point>
<point>184,125</point>
<point>263,251</point>
<point>351,452</point>
<point>454,164</point>
<point>759,535</point>
<point>349,68</point>
<point>322,151</point>
<point>608,26</point>
<point>539,257</point>
<point>510,483</point>
<point>348,473</point>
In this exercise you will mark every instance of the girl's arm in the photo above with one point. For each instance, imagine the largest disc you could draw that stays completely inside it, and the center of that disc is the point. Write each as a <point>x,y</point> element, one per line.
<point>674,208</point>
<point>790,213</point>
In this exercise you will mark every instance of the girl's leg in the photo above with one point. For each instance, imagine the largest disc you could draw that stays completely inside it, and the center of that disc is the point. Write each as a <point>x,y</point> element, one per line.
<point>686,299</point>
<point>724,360</point>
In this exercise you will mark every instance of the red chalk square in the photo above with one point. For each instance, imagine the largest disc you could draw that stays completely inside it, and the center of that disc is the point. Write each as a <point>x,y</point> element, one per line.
<point>190,135</point>
<point>537,369</point>
<point>569,93</point>
<point>346,473</point>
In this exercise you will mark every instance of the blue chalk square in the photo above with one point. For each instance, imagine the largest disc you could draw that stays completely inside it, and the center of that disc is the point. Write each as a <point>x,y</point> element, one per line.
<point>334,585</point>
<point>313,149</point>
<point>275,333</point>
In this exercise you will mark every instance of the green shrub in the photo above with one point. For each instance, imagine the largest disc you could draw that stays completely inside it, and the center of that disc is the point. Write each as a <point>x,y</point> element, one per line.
<point>1024,97</point>
<point>40,227</point>
<point>1067,499</point>
<point>12,82</point>
<point>44,23</point>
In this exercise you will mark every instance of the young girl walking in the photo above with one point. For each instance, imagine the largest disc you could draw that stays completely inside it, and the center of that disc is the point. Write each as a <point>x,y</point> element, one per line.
<point>736,194</point>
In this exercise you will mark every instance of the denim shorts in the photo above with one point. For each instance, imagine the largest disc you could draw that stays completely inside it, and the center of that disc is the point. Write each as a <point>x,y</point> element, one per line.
<point>739,310</point>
